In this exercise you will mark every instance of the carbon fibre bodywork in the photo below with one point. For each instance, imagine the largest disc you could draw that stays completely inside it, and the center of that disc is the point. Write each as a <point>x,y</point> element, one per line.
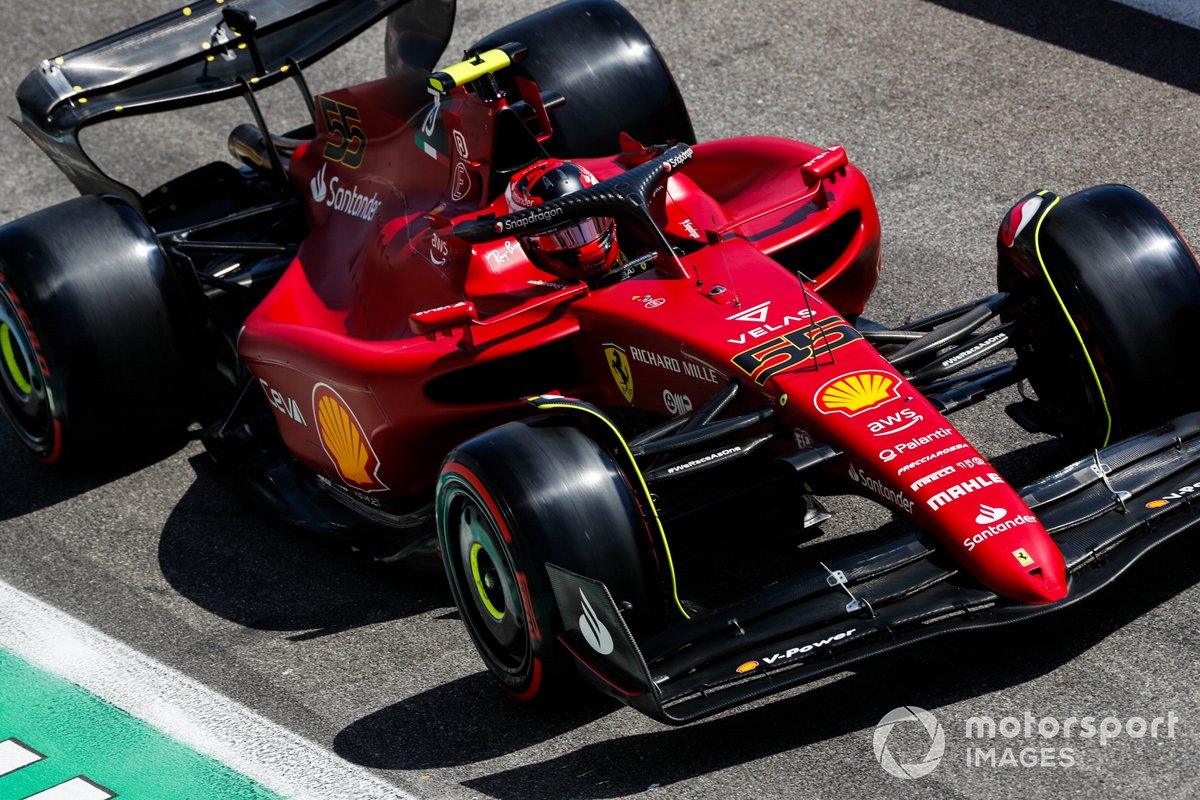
<point>204,52</point>
<point>1103,512</point>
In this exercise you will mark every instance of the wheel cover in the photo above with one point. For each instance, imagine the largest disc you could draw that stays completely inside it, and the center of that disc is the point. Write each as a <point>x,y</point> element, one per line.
<point>22,385</point>
<point>487,583</point>
<point>490,584</point>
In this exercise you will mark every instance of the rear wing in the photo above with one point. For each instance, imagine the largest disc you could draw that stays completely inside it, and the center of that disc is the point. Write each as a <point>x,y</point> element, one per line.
<point>210,50</point>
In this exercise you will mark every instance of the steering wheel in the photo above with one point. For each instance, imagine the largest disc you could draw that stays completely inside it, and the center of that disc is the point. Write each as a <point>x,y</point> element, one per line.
<point>626,195</point>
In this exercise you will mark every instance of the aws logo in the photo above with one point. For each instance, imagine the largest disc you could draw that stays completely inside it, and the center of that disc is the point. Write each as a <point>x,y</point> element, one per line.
<point>902,420</point>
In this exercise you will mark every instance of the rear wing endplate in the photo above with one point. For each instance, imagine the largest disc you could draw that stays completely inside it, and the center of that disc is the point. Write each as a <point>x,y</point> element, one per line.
<point>207,51</point>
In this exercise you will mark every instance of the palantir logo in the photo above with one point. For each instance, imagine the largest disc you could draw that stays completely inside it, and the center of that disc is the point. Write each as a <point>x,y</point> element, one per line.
<point>932,728</point>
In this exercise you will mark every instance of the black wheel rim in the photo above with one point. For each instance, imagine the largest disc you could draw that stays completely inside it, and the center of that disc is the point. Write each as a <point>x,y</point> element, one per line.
<point>22,385</point>
<point>489,585</point>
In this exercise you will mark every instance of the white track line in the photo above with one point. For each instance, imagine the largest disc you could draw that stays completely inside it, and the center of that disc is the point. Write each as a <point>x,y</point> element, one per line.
<point>1186,12</point>
<point>74,789</point>
<point>14,756</point>
<point>180,707</point>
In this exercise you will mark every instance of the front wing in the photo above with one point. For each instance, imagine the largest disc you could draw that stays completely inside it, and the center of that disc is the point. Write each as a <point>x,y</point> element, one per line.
<point>1104,513</point>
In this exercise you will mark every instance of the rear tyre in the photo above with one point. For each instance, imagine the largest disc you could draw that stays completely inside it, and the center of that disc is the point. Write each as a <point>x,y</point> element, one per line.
<point>515,498</point>
<point>93,350</point>
<point>1107,293</point>
<point>603,62</point>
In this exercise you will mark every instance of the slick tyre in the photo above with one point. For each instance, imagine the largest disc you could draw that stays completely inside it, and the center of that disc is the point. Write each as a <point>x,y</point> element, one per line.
<point>93,357</point>
<point>598,57</point>
<point>515,498</point>
<point>1107,293</point>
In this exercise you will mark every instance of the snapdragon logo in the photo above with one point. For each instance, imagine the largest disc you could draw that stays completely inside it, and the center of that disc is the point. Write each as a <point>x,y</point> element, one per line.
<point>894,725</point>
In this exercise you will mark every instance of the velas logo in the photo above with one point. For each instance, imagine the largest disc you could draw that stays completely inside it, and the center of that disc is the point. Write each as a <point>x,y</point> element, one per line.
<point>344,441</point>
<point>759,316</point>
<point>857,392</point>
<point>900,723</point>
<point>756,313</point>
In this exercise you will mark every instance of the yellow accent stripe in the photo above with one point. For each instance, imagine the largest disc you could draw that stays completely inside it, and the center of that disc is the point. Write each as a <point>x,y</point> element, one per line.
<point>1037,244</point>
<point>10,359</point>
<point>470,70</point>
<point>641,482</point>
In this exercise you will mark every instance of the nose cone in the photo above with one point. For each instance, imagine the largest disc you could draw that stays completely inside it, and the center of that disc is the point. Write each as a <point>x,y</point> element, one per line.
<point>1027,567</point>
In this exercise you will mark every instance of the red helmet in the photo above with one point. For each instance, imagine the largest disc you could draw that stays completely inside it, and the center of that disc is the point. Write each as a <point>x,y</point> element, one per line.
<point>581,248</point>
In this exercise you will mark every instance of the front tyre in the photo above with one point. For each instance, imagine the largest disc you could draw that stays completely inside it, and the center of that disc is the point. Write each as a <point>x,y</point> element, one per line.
<point>515,498</point>
<point>1106,294</point>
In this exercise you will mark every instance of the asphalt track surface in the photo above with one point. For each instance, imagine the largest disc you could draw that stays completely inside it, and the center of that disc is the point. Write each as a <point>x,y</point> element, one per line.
<point>953,109</point>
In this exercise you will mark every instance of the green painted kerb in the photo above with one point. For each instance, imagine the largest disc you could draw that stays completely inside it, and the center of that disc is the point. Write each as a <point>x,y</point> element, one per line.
<point>82,735</point>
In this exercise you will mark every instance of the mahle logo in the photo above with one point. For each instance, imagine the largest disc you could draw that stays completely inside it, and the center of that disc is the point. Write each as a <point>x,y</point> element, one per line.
<point>893,726</point>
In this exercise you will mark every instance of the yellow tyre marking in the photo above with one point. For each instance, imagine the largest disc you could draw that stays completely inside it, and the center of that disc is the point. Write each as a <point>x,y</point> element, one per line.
<point>1037,243</point>
<point>637,473</point>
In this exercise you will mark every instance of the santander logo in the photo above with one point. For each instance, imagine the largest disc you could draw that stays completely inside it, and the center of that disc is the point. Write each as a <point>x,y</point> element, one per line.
<point>318,186</point>
<point>345,201</point>
<point>990,514</point>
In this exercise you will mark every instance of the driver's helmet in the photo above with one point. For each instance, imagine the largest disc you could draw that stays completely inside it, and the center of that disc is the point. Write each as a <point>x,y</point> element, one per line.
<point>580,248</point>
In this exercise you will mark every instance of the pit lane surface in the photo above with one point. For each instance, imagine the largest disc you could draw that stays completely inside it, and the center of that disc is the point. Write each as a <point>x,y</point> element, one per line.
<point>953,109</point>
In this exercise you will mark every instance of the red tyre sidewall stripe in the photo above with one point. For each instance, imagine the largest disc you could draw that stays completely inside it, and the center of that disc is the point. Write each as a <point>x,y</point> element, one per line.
<point>56,451</point>
<point>472,480</point>
<point>535,683</point>
<point>44,366</point>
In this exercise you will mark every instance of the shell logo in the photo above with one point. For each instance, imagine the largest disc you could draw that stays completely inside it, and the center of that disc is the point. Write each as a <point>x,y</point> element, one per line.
<point>344,441</point>
<point>1156,503</point>
<point>857,392</point>
<point>749,666</point>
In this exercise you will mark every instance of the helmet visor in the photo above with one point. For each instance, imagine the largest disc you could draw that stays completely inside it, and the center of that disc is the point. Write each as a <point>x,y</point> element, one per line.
<point>575,235</point>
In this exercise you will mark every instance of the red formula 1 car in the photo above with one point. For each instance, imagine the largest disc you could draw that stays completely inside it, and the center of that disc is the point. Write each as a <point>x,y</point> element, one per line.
<point>511,308</point>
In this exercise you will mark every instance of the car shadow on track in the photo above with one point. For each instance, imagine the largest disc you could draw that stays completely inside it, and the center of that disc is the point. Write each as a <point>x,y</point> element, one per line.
<point>1105,30</point>
<point>30,486</point>
<point>462,722</point>
<point>222,553</point>
<point>958,668</point>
